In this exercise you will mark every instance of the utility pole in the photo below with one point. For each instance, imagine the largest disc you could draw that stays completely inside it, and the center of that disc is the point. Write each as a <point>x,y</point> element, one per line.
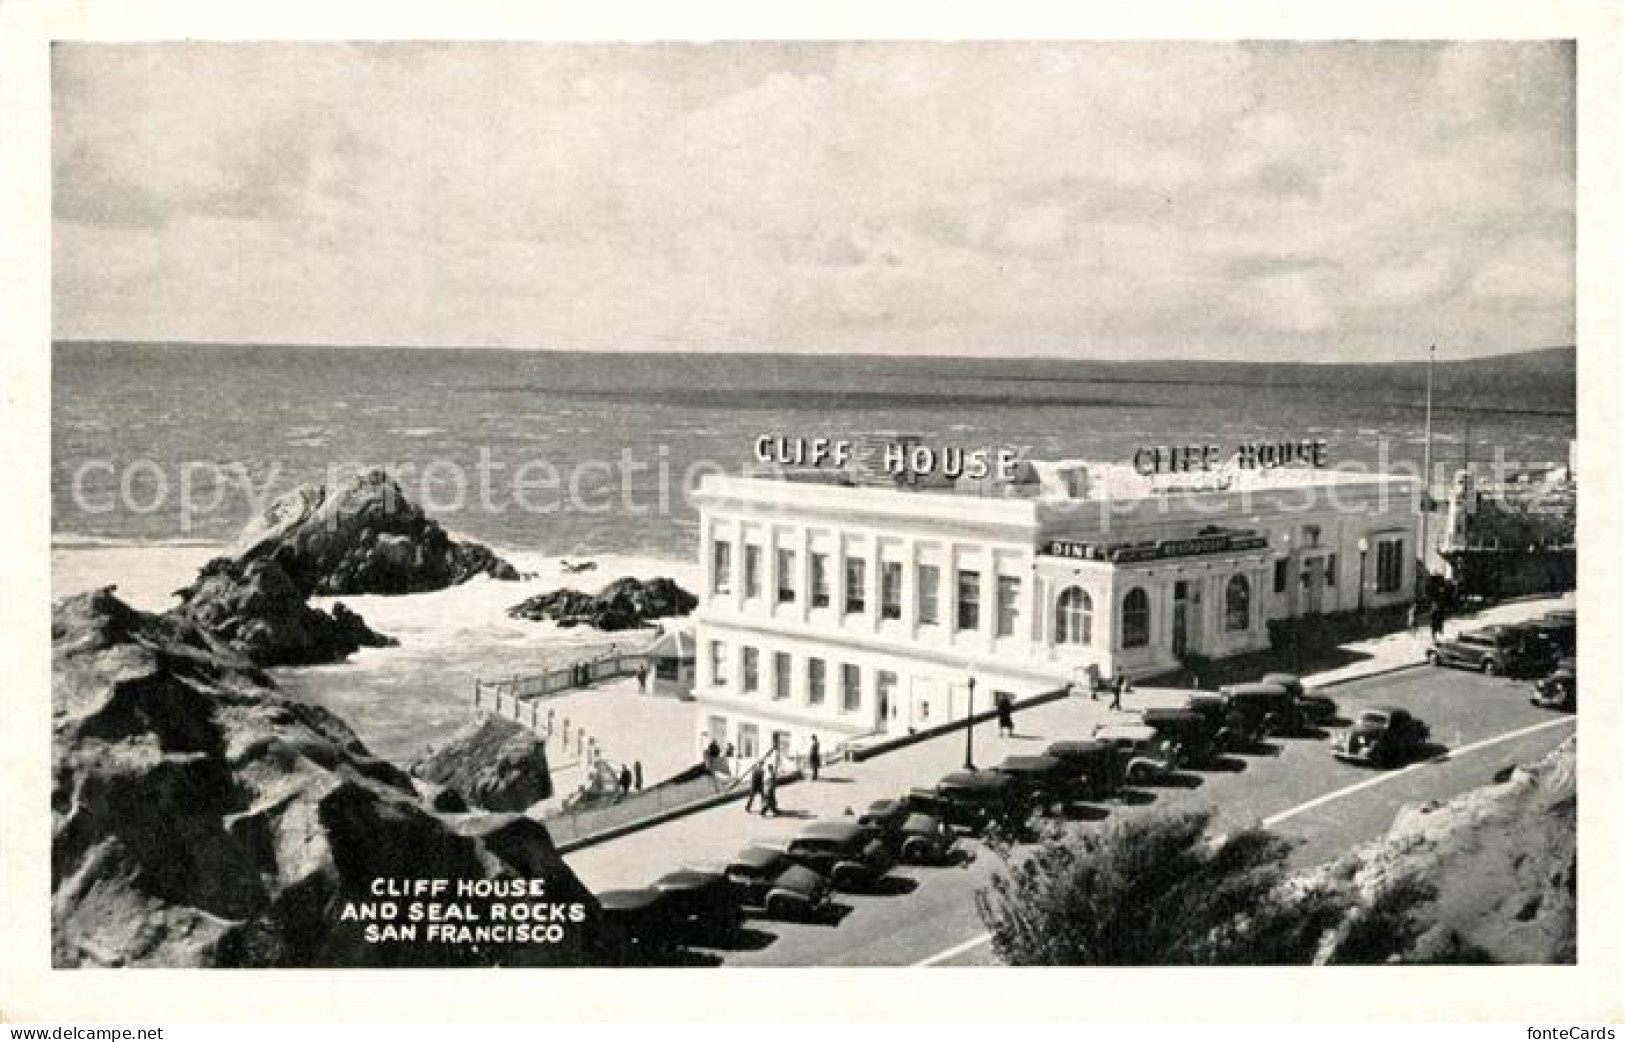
<point>1427,468</point>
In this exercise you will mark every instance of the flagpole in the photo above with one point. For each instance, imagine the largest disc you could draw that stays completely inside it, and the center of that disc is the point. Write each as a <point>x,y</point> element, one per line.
<point>1427,468</point>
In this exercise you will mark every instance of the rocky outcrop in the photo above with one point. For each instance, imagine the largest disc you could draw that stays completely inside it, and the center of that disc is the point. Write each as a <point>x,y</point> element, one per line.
<point>491,762</point>
<point>361,537</point>
<point>255,611</point>
<point>1496,866</point>
<point>198,819</point>
<point>624,604</point>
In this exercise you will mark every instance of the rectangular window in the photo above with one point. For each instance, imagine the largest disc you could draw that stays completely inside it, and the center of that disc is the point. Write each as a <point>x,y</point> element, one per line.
<point>722,567</point>
<point>1390,565</point>
<point>750,674</point>
<point>815,681</point>
<point>820,580</point>
<point>851,688</point>
<point>787,576</point>
<point>969,610</point>
<point>781,674</point>
<point>855,593</point>
<point>1280,575</point>
<point>1331,569</point>
<point>891,590</point>
<point>748,737</point>
<point>719,663</point>
<point>753,571</point>
<point>1009,604</point>
<point>929,581</point>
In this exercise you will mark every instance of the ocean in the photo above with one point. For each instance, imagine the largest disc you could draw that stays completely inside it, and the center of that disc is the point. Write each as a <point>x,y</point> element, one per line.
<point>127,418</point>
<point>132,423</point>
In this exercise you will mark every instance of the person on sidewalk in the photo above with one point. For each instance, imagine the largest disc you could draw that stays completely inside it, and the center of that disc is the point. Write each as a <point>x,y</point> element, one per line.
<point>1413,617</point>
<point>770,793</point>
<point>756,790</point>
<point>1436,622</point>
<point>643,679</point>
<point>815,759</point>
<point>626,780</point>
<point>1006,715</point>
<point>1118,687</point>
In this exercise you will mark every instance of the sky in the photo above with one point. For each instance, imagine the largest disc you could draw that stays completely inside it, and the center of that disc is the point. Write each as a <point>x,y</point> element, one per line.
<point>1274,201</point>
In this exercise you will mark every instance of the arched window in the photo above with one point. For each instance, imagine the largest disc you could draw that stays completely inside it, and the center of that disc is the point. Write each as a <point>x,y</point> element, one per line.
<point>1074,617</point>
<point>1136,619</point>
<point>1237,603</point>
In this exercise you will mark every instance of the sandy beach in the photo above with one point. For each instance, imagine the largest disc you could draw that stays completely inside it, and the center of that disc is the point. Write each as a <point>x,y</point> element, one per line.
<point>403,699</point>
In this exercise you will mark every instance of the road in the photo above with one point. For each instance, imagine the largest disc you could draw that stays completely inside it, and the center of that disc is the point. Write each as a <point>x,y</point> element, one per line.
<point>1296,787</point>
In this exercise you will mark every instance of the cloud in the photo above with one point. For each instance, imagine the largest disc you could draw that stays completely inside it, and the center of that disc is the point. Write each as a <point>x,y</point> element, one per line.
<point>1183,199</point>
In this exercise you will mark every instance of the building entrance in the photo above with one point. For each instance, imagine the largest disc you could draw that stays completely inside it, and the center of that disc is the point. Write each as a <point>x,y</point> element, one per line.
<point>1181,626</point>
<point>1314,584</point>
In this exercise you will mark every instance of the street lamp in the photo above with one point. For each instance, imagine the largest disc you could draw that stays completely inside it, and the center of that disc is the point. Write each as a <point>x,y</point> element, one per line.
<point>1364,546</point>
<point>970,719</point>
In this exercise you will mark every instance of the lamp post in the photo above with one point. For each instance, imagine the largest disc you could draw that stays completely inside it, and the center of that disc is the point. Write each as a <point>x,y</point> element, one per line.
<point>970,719</point>
<point>1364,546</point>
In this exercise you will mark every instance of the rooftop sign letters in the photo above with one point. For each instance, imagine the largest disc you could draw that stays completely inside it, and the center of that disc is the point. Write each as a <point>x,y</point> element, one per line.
<point>1183,459</point>
<point>1128,553</point>
<point>901,459</point>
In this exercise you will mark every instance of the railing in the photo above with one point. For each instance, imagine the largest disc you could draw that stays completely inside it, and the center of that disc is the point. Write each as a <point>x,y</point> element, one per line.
<point>573,823</point>
<point>559,679</point>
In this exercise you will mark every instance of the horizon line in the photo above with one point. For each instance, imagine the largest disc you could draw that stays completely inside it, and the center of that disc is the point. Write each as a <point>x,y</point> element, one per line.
<point>1421,359</point>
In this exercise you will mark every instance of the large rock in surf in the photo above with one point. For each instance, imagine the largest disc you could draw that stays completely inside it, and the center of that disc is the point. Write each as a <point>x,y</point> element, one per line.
<point>198,819</point>
<point>491,762</point>
<point>624,604</point>
<point>363,536</point>
<point>255,611</point>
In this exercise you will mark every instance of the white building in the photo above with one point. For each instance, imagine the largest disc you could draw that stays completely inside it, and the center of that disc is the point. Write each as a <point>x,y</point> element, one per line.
<point>843,609</point>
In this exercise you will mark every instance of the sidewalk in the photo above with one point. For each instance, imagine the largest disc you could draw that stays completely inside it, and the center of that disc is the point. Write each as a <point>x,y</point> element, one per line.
<point>715,834</point>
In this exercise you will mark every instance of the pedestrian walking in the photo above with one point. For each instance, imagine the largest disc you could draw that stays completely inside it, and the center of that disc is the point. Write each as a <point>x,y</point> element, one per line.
<point>1436,621</point>
<point>1006,714</point>
<point>770,793</point>
<point>643,679</point>
<point>1118,687</point>
<point>756,790</point>
<point>815,759</point>
<point>1093,676</point>
<point>637,775</point>
<point>626,780</point>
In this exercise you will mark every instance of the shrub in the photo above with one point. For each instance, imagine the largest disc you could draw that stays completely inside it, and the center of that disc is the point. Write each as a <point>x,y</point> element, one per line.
<point>1153,890</point>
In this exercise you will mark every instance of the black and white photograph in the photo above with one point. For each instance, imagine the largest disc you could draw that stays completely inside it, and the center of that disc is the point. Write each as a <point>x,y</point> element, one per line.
<point>722,503</point>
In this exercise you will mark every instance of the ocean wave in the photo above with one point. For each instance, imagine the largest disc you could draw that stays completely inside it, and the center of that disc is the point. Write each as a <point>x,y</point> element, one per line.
<point>80,541</point>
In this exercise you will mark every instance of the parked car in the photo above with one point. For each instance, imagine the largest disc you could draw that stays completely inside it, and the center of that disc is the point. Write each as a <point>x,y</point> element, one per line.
<point>1496,650</point>
<point>1557,636</point>
<point>768,881</point>
<point>1099,765</point>
<point>844,852</point>
<point>1148,755</point>
<point>635,922</point>
<point>1186,728</point>
<point>971,800</point>
<point>1563,624</point>
<point>1556,691</point>
<point>1044,782</point>
<point>1313,710</point>
<point>884,820</point>
<point>699,904</point>
<point>1267,708</point>
<point>1383,736</point>
<point>925,840</point>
